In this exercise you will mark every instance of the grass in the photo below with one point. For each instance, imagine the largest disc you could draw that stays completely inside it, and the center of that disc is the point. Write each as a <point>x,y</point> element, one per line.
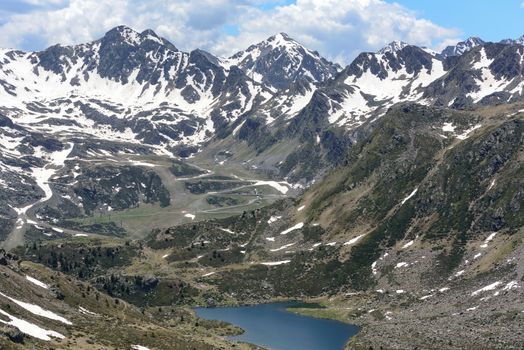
<point>338,308</point>
<point>327,313</point>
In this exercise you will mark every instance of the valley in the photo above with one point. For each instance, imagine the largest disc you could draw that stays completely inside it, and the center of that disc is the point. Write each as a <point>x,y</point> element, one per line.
<point>221,192</point>
<point>138,181</point>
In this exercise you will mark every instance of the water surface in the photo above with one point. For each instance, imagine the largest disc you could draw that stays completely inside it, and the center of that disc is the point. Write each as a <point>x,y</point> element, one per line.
<point>272,327</point>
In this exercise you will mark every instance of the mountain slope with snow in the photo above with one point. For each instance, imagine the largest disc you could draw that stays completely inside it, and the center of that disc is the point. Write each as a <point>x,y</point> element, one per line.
<point>127,85</point>
<point>462,47</point>
<point>488,74</point>
<point>280,61</point>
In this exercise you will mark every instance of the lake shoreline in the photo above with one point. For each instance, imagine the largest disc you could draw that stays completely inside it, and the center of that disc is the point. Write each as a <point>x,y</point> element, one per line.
<point>282,325</point>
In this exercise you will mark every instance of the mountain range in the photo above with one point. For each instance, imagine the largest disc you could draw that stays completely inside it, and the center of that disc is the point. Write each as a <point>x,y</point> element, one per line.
<point>139,176</point>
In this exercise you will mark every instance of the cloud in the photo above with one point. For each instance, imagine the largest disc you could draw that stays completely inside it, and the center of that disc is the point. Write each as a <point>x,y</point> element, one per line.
<point>338,29</point>
<point>447,42</point>
<point>44,2</point>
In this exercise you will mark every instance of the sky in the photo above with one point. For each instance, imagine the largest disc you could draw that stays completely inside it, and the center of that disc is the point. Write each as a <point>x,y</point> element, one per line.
<point>338,29</point>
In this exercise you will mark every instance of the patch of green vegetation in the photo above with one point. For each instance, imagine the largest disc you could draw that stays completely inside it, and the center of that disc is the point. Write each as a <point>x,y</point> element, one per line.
<point>183,169</point>
<point>218,258</point>
<point>82,257</point>
<point>222,201</point>
<point>201,187</point>
<point>306,305</point>
<point>120,187</point>
<point>108,228</point>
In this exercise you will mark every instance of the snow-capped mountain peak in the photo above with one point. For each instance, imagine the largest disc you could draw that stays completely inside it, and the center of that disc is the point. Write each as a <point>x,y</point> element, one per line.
<point>462,47</point>
<point>279,61</point>
<point>126,85</point>
<point>518,41</point>
<point>393,47</point>
<point>125,35</point>
<point>282,40</point>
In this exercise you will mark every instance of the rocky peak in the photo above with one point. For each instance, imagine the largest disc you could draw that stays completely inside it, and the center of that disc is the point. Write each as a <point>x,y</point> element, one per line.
<point>410,58</point>
<point>123,35</point>
<point>393,47</point>
<point>279,60</point>
<point>462,47</point>
<point>518,41</point>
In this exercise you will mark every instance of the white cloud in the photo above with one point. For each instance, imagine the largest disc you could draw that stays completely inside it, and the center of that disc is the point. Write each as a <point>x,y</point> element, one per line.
<point>338,29</point>
<point>447,42</point>
<point>44,2</point>
<point>522,5</point>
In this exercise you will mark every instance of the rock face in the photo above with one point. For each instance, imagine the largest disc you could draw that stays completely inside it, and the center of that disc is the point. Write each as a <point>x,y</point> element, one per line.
<point>410,162</point>
<point>488,74</point>
<point>139,88</point>
<point>12,333</point>
<point>462,47</point>
<point>280,62</point>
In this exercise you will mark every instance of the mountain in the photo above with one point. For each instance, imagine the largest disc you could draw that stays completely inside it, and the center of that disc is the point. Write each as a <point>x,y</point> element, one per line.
<point>126,81</point>
<point>138,181</point>
<point>518,41</point>
<point>42,308</point>
<point>373,82</point>
<point>280,61</point>
<point>462,47</point>
<point>488,74</point>
<point>420,228</point>
<point>393,47</point>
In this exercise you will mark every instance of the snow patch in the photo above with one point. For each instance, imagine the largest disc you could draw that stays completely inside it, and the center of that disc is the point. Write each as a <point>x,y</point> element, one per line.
<point>486,288</point>
<point>283,247</point>
<point>511,285</point>
<point>448,127</point>
<point>37,310</point>
<point>138,347</point>
<point>296,227</point>
<point>226,230</point>
<point>459,273</point>
<point>273,219</point>
<point>37,282</point>
<point>409,196</point>
<point>354,240</point>
<point>374,268</point>
<point>276,263</point>
<point>468,132</point>
<point>29,328</point>
<point>86,311</point>
<point>407,245</point>
<point>190,216</point>
<point>282,187</point>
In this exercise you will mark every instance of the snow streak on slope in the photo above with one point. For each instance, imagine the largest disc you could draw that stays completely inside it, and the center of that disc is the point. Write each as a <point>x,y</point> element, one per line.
<point>158,87</point>
<point>30,328</point>
<point>375,82</point>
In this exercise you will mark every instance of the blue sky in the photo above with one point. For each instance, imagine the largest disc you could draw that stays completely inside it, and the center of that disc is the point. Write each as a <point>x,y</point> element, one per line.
<point>492,20</point>
<point>338,29</point>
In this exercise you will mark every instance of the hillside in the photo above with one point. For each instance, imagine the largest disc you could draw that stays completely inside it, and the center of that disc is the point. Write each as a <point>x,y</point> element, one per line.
<point>425,211</point>
<point>138,181</point>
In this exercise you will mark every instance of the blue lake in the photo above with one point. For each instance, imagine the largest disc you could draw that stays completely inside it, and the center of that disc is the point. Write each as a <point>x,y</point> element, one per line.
<point>272,327</point>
